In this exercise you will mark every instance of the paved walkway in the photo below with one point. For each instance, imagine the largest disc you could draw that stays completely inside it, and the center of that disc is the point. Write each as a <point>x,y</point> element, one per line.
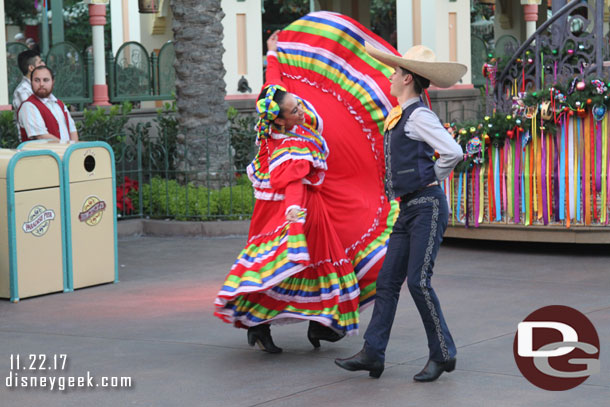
<point>156,326</point>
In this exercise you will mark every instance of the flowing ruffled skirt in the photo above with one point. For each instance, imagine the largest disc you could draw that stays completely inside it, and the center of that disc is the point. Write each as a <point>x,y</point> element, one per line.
<point>291,271</point>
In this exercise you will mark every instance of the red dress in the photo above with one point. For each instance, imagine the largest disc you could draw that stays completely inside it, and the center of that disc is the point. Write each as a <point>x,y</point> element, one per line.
<point>325,268</point>
<point>291,270</point>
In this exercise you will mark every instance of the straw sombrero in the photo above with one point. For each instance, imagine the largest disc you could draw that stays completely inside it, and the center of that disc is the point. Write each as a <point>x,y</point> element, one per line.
<point>422,61</point>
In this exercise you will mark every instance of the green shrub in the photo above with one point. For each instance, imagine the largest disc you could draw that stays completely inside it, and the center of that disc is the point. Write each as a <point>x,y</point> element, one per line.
<point>241,129</point>
<point>168,199</point>
<point>9,137</point>
<point>236,202</point>
<point>105,125</point>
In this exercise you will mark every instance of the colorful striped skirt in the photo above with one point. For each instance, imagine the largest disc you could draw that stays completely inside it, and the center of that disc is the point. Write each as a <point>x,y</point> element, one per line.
<point>291,271</point>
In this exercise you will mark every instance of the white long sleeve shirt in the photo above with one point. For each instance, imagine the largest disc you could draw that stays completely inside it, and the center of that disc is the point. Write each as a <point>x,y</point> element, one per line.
<point>424,125</point>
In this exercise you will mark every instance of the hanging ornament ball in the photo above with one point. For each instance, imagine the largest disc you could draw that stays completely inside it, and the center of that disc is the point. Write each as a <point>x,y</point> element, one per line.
<point>589,101</point>
<point>463,131</point>
<point>490,125</point>
<point>599,111</point>
<point>554,51</point>
<point>509,117</point>
<point>530,61</point>
<point>510,133</point>
<point>486,138</point>
<point>472,129</point>
<point>605,97</point>
<point>486,118</point>
<point>473,146</point>
<point>542,128</point>
<point>570,51</point>
<point>518,60</point>
<point>577,103</point>
<point>581,86</point>
<point>581,46</point>
<point>534,94</point>
<point>518,121</point>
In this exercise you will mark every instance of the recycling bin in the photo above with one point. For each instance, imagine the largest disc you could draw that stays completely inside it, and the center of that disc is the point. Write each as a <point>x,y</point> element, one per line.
<point>32,251</point>
<point>90,207</point>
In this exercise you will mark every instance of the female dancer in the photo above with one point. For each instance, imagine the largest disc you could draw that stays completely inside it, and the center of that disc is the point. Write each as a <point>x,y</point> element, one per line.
<point>294,266</point>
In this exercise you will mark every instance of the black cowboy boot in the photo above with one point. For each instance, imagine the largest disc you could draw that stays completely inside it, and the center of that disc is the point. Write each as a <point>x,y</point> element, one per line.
<point>261,335</point>
<point>318,332</point>
<point>433,370</point>
<point>361,361</point>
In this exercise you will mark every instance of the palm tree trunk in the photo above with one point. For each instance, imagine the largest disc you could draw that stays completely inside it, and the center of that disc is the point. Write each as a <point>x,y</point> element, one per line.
<point>200,90</point>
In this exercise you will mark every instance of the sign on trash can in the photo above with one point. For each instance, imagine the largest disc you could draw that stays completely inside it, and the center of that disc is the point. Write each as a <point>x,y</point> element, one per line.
<point>32,255</point>
<point>90,206</point>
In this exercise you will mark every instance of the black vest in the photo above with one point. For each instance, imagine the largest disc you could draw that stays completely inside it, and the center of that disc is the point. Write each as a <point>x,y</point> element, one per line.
<point>409,163</point>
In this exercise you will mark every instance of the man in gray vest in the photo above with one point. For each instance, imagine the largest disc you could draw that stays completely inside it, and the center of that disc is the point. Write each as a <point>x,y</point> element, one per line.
<point>412,135</point>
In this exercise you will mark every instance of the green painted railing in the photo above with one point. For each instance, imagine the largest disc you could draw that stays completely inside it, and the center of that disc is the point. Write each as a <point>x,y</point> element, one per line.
<point>154,179</point>
<point>133,74</point>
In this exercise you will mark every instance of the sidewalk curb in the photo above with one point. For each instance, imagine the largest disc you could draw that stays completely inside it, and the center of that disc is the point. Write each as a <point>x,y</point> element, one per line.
<point>152,227</point>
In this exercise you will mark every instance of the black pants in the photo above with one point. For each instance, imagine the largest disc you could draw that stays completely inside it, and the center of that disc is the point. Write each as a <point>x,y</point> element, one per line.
<point>412,248</point>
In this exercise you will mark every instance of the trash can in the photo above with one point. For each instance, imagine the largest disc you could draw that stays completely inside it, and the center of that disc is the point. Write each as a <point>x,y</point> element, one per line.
<point>90,207</point>
<point>32,259</point>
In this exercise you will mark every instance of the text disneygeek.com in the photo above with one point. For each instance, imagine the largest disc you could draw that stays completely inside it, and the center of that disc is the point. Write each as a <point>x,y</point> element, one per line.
<point>41,371</point>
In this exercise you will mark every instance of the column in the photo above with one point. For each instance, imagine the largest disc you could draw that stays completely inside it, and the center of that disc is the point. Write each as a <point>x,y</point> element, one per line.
<point>97,19</point>
<point>242,41</point>
<point>4,105</point>
<point>44,28</point>
<point>530,12</point>
<point>57,7</point>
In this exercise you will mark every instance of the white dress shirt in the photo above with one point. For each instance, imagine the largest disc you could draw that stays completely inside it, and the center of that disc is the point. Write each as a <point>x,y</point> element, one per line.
<point>22,92</point>
<point>424,125</point>
<point>31,119</point>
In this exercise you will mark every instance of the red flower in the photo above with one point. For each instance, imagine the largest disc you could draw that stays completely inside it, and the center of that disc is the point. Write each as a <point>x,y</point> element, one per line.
<point>123,201</point>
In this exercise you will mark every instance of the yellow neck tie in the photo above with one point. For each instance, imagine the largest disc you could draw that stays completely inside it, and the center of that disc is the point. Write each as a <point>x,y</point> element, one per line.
<point>393,118</point>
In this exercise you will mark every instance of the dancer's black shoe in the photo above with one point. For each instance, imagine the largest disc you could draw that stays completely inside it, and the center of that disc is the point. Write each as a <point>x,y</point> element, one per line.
<point>318,332</point>
<point>361,361</point>
<point>261,335</point>
<point>433,370</point>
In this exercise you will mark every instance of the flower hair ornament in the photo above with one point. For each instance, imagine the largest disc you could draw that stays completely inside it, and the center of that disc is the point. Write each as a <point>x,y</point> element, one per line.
<point>268,110</point>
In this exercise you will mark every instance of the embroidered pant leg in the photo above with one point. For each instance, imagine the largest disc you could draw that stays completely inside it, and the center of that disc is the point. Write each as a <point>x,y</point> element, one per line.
<point>389,282</point>
<point>428,216</point>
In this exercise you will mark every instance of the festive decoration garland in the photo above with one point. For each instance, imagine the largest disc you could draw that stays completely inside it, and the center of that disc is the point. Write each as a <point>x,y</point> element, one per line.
<point>547,161</point>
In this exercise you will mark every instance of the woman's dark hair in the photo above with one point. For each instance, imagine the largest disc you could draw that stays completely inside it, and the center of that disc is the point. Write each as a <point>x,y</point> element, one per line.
<point>419,81</point>
<point>278,97</point>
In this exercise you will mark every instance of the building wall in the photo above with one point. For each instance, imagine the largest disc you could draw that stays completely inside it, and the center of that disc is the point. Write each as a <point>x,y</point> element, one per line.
<point>442,25</point>
<point>243,56</point>
<point>125,22</point>
<point>156,29</point>
<point>4,105</point>
<point>11,31</point>
<point>509,19</point>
